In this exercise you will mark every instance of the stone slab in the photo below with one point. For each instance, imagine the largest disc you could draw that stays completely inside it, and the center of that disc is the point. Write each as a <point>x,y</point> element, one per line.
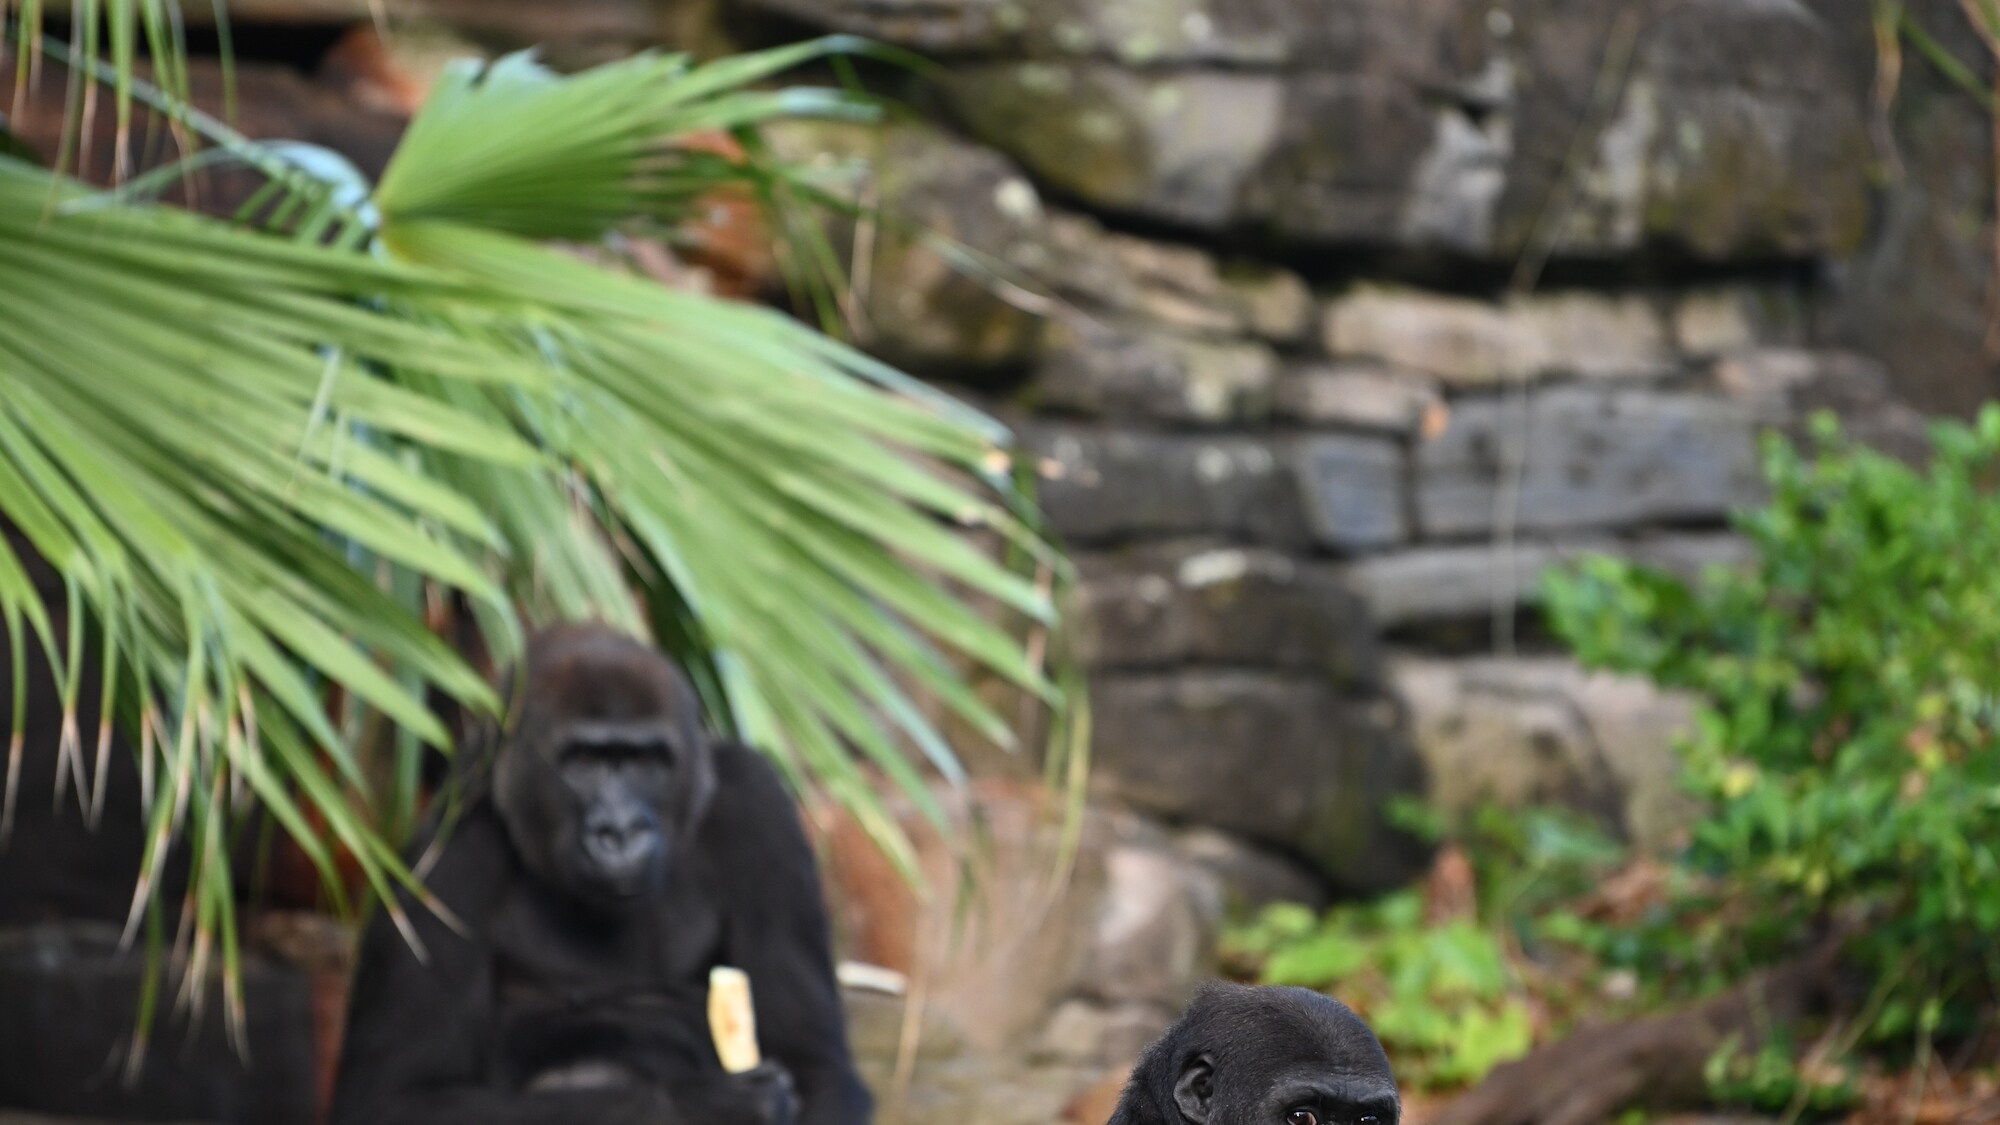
<point>1464,582</point>
<point>1103,369</point>
<point>1354,490</point>
<point>1471,343</point>
<point>1211,603</point>
<point>1283,759</point>
<point>1360,396</point>
<point>1118,484</point>
<point>1588,458</point>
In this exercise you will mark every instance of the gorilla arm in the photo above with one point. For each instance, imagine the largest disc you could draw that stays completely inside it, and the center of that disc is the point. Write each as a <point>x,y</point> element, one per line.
<point>776,930</point>
<point>413,1057</point>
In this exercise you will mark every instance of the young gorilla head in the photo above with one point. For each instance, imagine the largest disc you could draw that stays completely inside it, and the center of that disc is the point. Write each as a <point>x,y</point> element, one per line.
<point>607,767</point>
<point>1262,1056</point>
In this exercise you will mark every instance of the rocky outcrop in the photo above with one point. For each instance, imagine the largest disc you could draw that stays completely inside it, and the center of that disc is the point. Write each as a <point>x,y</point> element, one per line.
<point>1290,761</point>
<point>1250,507</point>
<point>1436,125</point>
<point>1917,295</point>
<point>1519,733</point>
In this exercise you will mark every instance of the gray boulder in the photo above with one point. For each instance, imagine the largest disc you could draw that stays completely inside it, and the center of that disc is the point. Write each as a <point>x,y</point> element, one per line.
<point>1289,761</point>
<point>1360,396</point>
<point>1173,285</point>
<point>1531,732</point>
<point>1469,344</point>
<point>1173,145</point>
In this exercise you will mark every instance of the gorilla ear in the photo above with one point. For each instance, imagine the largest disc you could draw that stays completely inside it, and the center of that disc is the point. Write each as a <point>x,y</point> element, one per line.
<point>1195,1088</point>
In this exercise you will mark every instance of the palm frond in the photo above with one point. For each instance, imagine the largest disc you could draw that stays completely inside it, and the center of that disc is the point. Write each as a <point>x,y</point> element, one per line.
<point>783,488</point>
<point>255,451</point>
<point>195,433</point>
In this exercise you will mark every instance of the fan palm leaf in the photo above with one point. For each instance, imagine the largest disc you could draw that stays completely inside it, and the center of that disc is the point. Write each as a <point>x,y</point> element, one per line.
<point>256,451</point>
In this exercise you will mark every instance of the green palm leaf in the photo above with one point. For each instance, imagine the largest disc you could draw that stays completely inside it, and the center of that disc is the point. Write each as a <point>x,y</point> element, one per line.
<point>160,380</point>
<point>254,452</point>
<point>775,480</point>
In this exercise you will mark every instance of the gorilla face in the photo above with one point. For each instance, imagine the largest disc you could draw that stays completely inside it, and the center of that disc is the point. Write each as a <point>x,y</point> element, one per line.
<point>1262,1056</point>
<point>617,785</point>
<point>607,770</point>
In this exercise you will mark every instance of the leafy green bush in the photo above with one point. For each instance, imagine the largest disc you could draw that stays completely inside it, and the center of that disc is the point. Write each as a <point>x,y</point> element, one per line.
<point>1443,998</point>
<point>1770,1079</point>
<point>1847,749</point>
<point>1447,996</point>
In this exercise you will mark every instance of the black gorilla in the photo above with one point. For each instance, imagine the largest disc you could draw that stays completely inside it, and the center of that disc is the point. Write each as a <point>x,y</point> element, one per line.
<point>611,856</point>
<point>1262,1056</point>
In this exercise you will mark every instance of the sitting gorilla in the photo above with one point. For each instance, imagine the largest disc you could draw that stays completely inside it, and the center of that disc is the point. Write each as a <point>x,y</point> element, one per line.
<point>614,855</point>
<point>1262,1056</point>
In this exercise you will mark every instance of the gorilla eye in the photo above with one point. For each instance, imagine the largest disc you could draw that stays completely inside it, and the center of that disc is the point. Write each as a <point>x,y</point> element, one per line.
<point>1305,1117</point>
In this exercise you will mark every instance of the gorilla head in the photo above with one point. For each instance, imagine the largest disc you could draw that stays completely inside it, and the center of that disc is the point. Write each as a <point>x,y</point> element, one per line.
<point>1262,1056</point>
<point>608,767</point>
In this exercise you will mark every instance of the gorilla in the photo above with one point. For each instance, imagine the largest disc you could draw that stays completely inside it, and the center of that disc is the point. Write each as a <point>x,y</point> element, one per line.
<point>1244,1055</point>
<point>599,862</point>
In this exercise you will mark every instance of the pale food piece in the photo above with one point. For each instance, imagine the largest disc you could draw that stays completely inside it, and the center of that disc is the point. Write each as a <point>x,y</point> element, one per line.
<point>731,1020</point>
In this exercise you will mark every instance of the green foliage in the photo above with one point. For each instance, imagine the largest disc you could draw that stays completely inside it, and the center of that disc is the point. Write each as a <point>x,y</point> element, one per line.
<point>1527,864</point>
<point>1770,1080</point>
<point>259,453</point>
<point>1847,750</point>
<point>1446,996</point>
<point>1443,998</point>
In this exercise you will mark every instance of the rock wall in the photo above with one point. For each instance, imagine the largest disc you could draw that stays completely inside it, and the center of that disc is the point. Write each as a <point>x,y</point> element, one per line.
<point>1291,404</point>
<point>1307,440</point>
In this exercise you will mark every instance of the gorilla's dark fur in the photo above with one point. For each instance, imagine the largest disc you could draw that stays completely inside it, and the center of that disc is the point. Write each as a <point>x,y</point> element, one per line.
<point>1262,1056</point>
<point>612,852</point>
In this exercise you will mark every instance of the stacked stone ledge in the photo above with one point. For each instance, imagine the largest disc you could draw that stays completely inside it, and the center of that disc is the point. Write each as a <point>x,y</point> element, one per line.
<point>1246,529</point>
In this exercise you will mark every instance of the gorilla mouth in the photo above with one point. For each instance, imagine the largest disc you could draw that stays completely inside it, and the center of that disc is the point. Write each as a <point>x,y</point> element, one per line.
<point>635,877</point>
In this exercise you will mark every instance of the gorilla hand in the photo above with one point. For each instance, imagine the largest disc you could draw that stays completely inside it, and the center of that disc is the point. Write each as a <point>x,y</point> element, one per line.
<point>761,1096</point>
<point>768,1089</point>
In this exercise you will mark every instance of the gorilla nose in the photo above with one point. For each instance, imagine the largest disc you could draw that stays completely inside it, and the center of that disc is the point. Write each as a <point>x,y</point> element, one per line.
<point>621,839</point>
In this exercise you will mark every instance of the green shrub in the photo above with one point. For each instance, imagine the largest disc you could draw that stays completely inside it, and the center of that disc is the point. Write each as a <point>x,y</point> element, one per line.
<point>1443,998</point>
<point>1770,1079</point>
<point>1448,997</point>
<point>1846,750</point>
